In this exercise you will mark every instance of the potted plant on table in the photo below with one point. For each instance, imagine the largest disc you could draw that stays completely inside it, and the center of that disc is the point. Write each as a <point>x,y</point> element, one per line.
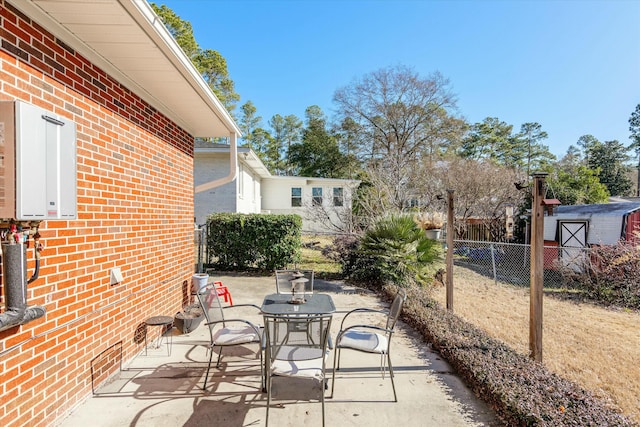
<point>430,222</point>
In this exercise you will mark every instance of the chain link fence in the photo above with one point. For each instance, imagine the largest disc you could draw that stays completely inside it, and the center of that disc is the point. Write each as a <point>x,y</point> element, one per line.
<point>508,263</point>
<point>511,262</point>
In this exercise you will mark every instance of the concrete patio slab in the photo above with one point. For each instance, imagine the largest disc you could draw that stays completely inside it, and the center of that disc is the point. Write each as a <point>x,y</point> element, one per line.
<point>157,389</point>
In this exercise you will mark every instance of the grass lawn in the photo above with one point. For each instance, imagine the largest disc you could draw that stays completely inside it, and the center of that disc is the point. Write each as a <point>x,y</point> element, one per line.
<point>598,348</point>
<point>313,259</point>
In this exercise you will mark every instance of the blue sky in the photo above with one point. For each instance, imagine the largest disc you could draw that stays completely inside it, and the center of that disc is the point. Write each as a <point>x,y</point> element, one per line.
<point>572,66</point>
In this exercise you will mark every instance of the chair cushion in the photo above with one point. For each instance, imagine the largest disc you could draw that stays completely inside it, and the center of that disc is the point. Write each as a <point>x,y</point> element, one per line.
<point>298,362</point>
<point>237,335</point>
<point>369,342</point>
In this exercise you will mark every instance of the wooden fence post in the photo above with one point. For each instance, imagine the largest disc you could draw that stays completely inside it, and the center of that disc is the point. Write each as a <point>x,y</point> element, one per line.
<point>449,258</point>
<point>537,267</point>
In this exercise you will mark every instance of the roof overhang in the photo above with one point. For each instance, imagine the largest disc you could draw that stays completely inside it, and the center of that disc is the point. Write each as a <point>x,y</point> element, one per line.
<point>254,162</point>
<point>129,42</point>
<point>245,154</point>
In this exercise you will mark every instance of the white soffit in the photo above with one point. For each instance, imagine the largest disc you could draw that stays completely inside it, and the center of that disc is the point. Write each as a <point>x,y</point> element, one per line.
<point>128,41</point>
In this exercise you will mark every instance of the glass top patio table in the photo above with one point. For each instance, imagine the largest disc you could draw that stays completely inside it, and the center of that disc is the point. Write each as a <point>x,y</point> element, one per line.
<point>280,304</point>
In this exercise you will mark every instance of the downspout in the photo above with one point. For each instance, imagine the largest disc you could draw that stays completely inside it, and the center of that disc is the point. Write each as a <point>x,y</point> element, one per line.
<point>233,167</point>
<point>14,277</point>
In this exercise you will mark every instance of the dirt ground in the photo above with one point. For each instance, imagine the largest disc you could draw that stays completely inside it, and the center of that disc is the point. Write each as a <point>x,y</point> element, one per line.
<point>597,347</point>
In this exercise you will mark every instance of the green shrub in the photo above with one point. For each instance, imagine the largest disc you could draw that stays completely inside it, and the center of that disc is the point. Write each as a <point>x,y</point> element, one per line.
<point>393,250</point>
<point>355,267</point>
<point>253,241</point>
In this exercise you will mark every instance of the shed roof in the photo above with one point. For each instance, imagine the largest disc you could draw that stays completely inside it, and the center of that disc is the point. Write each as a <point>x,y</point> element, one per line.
<point>609,209</point>
<point>128,41</point>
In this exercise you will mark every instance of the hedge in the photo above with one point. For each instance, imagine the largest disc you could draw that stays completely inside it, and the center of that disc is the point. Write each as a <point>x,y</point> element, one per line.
<point>253,241</point>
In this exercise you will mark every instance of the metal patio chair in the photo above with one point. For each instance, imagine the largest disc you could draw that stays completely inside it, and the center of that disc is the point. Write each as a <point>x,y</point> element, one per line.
<point>368,338</point>
<point>296,346</point>
<point>225,332</point>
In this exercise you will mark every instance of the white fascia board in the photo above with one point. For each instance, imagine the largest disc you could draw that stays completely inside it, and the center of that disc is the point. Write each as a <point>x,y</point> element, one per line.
<point>159,33</point>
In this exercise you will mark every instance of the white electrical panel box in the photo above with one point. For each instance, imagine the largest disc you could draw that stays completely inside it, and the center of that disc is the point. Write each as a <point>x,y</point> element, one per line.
<point>37,163</point>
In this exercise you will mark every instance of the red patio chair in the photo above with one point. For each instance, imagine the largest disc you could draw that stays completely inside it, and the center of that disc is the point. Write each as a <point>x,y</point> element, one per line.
<point>223,292</point>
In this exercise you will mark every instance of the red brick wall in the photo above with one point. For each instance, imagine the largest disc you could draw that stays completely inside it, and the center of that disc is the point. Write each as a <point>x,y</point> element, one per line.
<point>135,211</point>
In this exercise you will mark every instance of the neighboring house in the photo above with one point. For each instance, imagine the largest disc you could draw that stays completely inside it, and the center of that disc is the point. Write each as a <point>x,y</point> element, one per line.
<point>133,104</point>
<point>241,195</point>
<point>324,204</point>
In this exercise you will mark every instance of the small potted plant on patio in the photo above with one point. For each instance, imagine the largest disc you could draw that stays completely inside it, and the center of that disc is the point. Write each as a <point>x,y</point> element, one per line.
<point>189,318</point>
<point>430,222</point>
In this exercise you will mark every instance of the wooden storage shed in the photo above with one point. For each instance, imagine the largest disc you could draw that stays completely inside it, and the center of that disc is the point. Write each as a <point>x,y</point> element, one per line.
<point>598,224</point>
<point>570,229</point>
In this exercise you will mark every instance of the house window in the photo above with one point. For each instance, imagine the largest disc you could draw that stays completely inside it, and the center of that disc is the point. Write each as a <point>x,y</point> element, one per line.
<point>338,196</point>
<point>316,193</point>
<point>296,197</point>
<point>412,203</point>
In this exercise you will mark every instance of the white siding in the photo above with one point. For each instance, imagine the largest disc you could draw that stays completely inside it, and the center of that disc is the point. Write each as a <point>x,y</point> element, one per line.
<point>603,229</point>
<point>220,199</point>
<point>277,195</point>
<point>277,199</point>
<point>248,200</point>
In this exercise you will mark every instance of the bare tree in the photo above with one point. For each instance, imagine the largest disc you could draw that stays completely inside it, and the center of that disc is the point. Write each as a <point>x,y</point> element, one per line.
<point>400,114</point>
<point>397,121</point>
<point>482,190</point>
<point>387,189</point>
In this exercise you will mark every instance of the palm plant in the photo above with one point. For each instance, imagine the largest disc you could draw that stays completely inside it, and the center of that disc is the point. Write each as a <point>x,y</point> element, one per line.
<point>399,250</point>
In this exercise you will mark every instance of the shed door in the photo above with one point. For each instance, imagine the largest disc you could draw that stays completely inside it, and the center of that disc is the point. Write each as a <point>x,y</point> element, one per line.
<point>573,240</point>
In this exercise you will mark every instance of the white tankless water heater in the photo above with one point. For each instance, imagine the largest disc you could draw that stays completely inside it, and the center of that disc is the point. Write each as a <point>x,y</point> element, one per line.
<point>37,164</point>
